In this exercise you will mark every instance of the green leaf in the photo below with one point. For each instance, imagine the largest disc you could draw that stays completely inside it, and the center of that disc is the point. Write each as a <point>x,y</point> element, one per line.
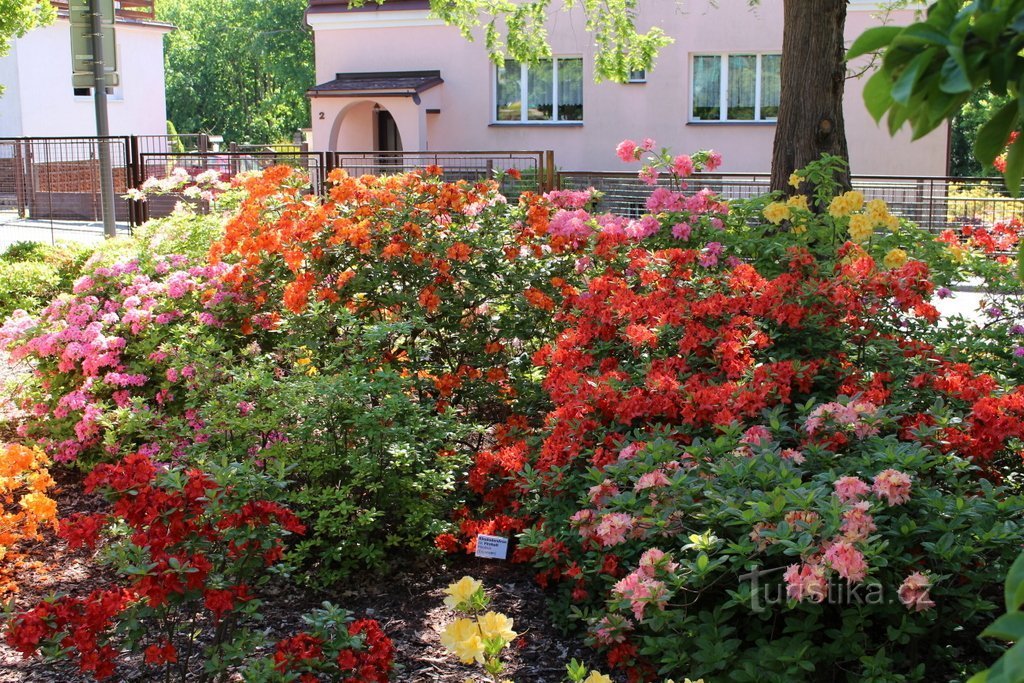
<point>1012,176</point>
<point>872,40</point>
<point>1008,627</point>
<point>904,86</point>
<point>1009,666</point>
<point>1015,577</point>
<point>878,94</point>
<point>993,135</point>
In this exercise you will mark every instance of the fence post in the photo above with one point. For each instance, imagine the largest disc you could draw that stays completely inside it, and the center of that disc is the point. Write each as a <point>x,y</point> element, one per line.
<point>203,145</point>
<point>549,168</point>
<point>233,156</point>
<point>19,181</point>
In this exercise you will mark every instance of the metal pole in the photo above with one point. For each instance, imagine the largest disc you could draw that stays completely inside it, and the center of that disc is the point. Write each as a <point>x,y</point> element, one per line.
<point>99,93</point>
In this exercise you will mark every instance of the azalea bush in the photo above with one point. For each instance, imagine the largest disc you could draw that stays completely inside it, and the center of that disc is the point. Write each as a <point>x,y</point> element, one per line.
<point>189,548</point>
<point>720,415</point>
<point>112,344</point>
<point>28,509</point>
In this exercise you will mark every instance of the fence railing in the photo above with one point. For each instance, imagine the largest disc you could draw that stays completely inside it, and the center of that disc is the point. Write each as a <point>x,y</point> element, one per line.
<point>57,178</point>
<point>934,203</point>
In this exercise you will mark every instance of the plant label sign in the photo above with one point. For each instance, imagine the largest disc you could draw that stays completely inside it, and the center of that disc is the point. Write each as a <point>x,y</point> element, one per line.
<point>492,547</point>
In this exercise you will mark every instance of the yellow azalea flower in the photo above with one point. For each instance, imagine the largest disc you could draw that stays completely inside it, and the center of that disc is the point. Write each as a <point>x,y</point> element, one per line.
<point>958,253</point>
<point>861,228</point>
<point>304,361</point>
<point>462,637</point>
<point>597,677</point>
<point>776,212</point>
<point>799,229</point>
<point>892,222</point>
<point>839,207</point>
<point>461,591</point>
<point>496,625</point>
<point>795,180</point>
<point>798,201</point>
<point>854,199</point>
<point>877,210</point>
<point>895,258</point>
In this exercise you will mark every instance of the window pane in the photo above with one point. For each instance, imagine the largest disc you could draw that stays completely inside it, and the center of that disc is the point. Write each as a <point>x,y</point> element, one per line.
<point>707,82</point>
<point>638,76</point>
<point>570,89</point>
<point>771,85</point>
<point>742,87</point>
<point>509,103</point>
<point>539,91</point>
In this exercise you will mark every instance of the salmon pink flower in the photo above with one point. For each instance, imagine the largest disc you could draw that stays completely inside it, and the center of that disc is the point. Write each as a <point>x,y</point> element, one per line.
<point>914,592</point>
<point>893,486</point>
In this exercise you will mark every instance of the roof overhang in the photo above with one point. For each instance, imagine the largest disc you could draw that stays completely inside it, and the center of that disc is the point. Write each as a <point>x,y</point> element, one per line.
<point>378,84</point>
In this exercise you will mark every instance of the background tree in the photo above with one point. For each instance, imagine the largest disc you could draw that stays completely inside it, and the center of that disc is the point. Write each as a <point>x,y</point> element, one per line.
<point>978,109</point>
<point>19,16</point>
<point>238,68</point>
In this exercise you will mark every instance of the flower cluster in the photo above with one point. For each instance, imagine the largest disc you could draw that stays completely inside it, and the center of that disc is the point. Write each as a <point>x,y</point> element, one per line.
<point>109,349</point>
<point>479,636</point>
<point>25,483</point>
<point>190,546</point>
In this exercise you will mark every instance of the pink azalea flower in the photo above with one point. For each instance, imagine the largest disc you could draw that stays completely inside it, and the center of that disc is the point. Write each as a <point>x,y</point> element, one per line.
<point>627,151</point>
<point>857,523</point>
<point>847,561</point>
<point>714,160</point>
<point>914,592</point>
<point>650,480</point>
<point>806,581</point>
<point>893,486</point>
<point>850,489</point>
<point>682,166</point>
<point>613,528</point>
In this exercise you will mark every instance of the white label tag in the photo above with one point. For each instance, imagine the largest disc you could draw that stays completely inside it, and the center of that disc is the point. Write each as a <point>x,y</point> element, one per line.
<point>494,547</point>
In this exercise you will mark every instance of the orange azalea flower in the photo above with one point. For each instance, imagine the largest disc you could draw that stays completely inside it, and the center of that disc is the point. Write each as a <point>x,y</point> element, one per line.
<point>459,252</point>
<point>429,300</point>
<point>539,299</point>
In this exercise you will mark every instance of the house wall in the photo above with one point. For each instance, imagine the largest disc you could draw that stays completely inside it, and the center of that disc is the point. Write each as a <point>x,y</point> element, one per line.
<point>41,87</point>
<point>10,107</point>
<point>405,40</point>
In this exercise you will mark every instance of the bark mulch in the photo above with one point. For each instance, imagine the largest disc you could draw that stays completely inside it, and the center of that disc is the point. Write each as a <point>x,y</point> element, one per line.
<point>408,603</point>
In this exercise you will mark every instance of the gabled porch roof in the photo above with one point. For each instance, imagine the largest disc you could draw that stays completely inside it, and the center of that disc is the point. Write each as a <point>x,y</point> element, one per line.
<point>378,84</point>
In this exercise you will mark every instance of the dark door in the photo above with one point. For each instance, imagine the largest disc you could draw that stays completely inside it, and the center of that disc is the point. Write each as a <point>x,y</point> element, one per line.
<point>388,139</point>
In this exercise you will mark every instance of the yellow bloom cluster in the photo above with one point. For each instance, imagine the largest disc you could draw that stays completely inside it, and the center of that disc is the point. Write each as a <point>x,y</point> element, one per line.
<point>776,212</point>
<point>845,204</point>
<point>478,637</point>
<point>895,258</point>
<point>861,228</point>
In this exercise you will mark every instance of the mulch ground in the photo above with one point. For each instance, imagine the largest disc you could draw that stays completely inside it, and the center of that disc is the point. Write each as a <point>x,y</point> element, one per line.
<point>408,603</point>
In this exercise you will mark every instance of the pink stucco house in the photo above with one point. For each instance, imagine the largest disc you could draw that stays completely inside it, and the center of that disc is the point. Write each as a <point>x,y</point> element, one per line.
<point>393,77</point>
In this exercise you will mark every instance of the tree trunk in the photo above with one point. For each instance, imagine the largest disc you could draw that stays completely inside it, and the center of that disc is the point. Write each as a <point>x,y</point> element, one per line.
<point>813,76</point>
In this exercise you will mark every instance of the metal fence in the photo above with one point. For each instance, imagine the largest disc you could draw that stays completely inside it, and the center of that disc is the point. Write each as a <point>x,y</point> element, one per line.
<point>934,203</point>
<point>517,171</point>
<point>50,187</point>
<point>160,165</point>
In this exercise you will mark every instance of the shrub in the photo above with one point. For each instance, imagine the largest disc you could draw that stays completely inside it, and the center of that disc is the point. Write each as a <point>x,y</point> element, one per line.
<point>26,285</point>
<point>716,420</point>
<point>189,547</point>
<point>112,344</point>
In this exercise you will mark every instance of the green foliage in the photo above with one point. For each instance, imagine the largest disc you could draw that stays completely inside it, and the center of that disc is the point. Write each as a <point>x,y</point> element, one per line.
<point>621,47</point>
<point>17,17</point>
<point>966,124</point>
<point>183,233</point>
<point>931,68</point>
<point>1009,627</point>
<point>26,285</point>
<point>238,68</point>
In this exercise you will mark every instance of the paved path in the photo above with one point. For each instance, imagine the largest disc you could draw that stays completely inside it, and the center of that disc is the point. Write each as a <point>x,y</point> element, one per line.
<point>14,229</point>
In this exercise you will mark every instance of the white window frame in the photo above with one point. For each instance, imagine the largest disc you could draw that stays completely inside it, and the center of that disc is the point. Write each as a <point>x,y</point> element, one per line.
<point>524,94</point>
<point>723,85</point>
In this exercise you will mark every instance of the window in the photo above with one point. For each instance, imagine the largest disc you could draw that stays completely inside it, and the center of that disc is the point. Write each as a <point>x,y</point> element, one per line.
<point>741,87</point>
<point>551,91</point>
<point>637,76</point>
<point>87,92</point>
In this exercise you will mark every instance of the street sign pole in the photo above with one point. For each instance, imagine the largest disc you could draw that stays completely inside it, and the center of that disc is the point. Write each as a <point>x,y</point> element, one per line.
<point>99,93</point>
